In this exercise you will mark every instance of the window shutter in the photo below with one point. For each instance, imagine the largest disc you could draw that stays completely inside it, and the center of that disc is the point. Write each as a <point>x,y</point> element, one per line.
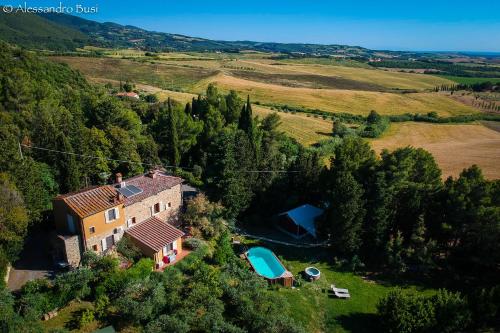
<point>162,207</point>
<point>103,244</point>
<point>152,209</point>
<point>106,216</point>
<point>117,213</point>
<point>174,247</point>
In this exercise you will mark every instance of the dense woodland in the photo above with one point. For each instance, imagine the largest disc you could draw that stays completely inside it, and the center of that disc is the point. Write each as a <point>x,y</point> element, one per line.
<point>391,214</point>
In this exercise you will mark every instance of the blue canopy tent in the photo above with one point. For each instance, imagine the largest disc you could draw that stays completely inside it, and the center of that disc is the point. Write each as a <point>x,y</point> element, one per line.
<point>300,221</point>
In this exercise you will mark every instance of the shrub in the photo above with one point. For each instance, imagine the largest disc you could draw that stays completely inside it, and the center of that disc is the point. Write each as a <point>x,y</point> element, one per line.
<point>405,313</point>
<point>224,251</point>
<point>193,243</point>
<point>86,317</point>
<point>73,285</point>
<point>101,305</point>
<point>128,249</point>
<point>452,313</point>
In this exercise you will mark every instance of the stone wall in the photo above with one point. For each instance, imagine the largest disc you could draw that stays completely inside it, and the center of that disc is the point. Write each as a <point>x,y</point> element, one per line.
<point>142,210</point>
<point>67,248</point>
<point>117,233</point>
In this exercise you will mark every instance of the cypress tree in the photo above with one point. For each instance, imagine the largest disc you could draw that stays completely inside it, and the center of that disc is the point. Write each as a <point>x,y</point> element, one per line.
<point>173,138</point>
<point>188,109</point>
<point>246,121</point>
<point>69,176</point>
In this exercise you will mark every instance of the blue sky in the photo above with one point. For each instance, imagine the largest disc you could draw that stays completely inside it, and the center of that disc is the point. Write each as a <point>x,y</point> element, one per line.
<point>438,25</point>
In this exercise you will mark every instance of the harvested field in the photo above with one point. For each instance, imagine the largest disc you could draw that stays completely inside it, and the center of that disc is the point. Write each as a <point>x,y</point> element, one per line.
<point>334,100</point>
<point>308,81</point>
<point>164,76</point>
<point>454,147</point>
<point>306,130</point>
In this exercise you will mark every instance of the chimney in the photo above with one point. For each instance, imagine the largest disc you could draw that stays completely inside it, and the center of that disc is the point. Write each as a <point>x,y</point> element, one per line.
<point>119,197</point>
<point>152,174</point>
<point>118,178</point>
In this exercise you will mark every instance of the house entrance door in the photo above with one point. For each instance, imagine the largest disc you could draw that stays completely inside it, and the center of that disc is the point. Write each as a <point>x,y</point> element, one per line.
<point>110,241</point>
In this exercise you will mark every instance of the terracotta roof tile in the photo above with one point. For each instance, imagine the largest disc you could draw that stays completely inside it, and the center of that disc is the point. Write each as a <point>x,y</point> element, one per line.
<point>154,233</point>
<point>91,200</point>
<point>150,186</point>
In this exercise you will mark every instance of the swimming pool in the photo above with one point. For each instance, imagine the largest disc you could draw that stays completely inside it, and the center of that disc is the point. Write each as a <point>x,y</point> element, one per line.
<point>265,263</point>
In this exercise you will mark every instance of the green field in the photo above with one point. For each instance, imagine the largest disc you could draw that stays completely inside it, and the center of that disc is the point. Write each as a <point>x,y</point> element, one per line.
<point>312,304</point>
<point>470,80</point>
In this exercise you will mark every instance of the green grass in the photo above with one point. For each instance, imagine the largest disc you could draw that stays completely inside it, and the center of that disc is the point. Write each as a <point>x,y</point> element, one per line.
<point>312,304</point>
<point>469,80</point>
<point>327,61</point>
<point>68,316</point>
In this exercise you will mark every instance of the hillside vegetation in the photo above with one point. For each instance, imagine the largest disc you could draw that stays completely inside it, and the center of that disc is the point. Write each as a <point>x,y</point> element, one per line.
<point>32,31</point>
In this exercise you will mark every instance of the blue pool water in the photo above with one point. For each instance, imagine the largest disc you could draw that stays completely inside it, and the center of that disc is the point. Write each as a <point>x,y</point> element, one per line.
<point>265,262</point>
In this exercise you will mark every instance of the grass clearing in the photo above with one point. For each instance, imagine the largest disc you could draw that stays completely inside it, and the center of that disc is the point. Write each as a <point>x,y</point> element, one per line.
<point>306,130</point>
<point>68,316</point>
<point>312,304</point>
<point>454,146</point>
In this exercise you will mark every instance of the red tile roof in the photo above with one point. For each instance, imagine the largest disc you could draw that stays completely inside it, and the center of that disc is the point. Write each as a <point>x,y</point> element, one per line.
<point>150,186</point>
<point>90,201</point>
<point>128,94</point>
<point>154,233</point>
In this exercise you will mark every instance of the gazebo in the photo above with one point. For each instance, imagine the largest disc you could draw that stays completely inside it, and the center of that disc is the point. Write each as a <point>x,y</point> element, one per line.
<point>299,222</point>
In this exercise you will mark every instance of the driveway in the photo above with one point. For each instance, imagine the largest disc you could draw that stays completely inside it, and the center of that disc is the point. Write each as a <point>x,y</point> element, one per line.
<point>34,262</point>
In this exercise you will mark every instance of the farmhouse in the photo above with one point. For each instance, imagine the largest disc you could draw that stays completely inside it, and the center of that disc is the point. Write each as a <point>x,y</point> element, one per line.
<point>144,208</point>
<point>131,94</point>
<point>299,222</point>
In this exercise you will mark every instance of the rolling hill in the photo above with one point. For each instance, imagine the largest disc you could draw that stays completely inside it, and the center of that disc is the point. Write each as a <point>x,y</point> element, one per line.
<point>66,32</point>
<point>35,32</point>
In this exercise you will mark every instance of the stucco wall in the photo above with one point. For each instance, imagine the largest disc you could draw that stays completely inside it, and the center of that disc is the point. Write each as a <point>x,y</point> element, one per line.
<point>142,210</point>
<point>103,229</point>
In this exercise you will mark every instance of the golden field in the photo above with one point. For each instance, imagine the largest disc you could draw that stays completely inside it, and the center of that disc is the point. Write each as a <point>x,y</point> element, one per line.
<point>454,147</point>
<point>329,88</point>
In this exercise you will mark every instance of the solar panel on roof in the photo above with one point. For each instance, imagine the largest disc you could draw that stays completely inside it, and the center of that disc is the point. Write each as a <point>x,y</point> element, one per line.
<point>134,189</point>
<point>126,192</point>
<point>129,190</point>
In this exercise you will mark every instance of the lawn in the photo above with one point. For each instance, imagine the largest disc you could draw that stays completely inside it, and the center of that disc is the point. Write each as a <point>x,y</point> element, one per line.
<point>68,318</point>
<point>312,304</point>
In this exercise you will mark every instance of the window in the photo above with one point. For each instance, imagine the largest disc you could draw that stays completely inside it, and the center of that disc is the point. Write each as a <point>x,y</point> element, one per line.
<point>95,248</point>
<point>92,230</point>
<point>169,205</point>
<point>71,223</point>
<point>168,248</point>
<point>156,208</point>
<point>131,221</point>
<point>111,215</point>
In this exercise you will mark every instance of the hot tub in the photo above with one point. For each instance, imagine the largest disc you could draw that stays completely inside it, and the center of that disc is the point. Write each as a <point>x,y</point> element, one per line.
<point>312,273</point>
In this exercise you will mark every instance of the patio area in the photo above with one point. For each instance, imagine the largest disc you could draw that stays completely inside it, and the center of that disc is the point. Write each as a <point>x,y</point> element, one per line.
<point>179,257</point>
